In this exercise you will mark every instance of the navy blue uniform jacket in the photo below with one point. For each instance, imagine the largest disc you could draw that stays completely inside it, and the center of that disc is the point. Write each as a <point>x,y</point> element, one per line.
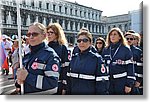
<point>43,66</point>
<point>87,75</point>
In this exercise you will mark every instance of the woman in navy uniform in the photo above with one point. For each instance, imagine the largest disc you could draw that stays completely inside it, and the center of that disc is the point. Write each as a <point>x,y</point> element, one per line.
<point>41,66</point>
<point>57,41</point>
<point>119,60</point>
<point>76,49</point>
<point>87,74</point>
<point>100,44</point>
<point>138,62</point>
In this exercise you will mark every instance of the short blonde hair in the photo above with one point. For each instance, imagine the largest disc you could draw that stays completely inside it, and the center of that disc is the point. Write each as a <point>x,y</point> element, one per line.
<point>87,34</point>
<point>41,27</point>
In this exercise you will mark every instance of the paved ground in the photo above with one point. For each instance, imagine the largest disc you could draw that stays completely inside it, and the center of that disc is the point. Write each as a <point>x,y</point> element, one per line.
<point>6,85</point>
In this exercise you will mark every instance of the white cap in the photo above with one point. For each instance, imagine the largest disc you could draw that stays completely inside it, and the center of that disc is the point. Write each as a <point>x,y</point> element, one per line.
<point>4,36</point>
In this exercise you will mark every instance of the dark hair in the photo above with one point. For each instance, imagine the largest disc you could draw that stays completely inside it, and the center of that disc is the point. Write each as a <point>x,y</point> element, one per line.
<point>131,31</point>
<point>103,41</point>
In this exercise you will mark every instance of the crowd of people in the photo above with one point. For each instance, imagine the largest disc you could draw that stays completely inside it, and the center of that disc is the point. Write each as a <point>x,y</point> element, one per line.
<point>111,66</point>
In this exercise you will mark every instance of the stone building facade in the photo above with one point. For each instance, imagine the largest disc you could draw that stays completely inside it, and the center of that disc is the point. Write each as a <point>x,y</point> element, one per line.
<point>71,16</point>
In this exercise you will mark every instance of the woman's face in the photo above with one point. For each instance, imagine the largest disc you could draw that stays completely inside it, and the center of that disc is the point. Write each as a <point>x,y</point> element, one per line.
<point>83,43</point>
<point>99,44</point>
<point>114,37</point>
<point>34,36</point>
<point>136,41</point>
<point>15,44</point>
<point>51,35</point>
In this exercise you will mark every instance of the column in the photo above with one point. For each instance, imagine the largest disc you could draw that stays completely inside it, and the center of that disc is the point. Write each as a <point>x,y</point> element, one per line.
<point>63,24</point>
<point>123,27</point>
<point>57,20</point>
<point>91,28</point>
<point>63,9</point>
<point>36,20</point>
<point>44,21</point>
<point>28,20</point>
<point>44,4</point>
<point>51,20</point>
<point>78,28</point>
<point>36,2</point>
<point>87,26</point>
<point>68,26</point>
<point>101,29</point>
<point>94,28</point>
<point>74,26</point>
<point>82,25</point>
<point>9,20</point>
<point>51,6</point>
<point>97,28</point>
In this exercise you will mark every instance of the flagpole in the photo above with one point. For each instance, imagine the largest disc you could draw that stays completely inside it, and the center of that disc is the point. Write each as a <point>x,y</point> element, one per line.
<point>0,17</point>
<point>20,40</point>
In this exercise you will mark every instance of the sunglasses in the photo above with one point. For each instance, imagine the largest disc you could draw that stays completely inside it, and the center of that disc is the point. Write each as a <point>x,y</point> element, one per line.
<point>84,40</point>
<point>130,38</point>
<point>34,34</point>
<point>99,43</point>
<point>50,33</point>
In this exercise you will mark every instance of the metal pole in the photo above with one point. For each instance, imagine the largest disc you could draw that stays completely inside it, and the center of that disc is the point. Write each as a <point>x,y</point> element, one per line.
<point>20,41</point>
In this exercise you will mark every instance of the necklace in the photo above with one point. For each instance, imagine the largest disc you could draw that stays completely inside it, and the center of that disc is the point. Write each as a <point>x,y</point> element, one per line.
<point>111,57</point>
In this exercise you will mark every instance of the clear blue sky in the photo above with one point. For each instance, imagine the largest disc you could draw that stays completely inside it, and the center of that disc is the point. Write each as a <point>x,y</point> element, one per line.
<point>111,7</point>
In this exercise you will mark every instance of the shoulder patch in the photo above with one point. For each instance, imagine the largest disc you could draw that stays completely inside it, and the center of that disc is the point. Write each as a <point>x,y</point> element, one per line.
<point>55,67</point>
<point>103,70</point>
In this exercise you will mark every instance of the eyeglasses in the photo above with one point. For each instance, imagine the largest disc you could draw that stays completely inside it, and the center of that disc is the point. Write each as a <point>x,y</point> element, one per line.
<point>34,34</point>
<point>50,33</point>
<point>130,38</point>
<point>84,40</point>
<point>99,43</point>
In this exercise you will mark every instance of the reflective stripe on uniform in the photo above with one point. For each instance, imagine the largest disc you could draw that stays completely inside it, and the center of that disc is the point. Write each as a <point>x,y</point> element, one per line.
<point>72,75</point>
<point>106,55</point>
<point>138,75</point>
<point>102,78</point>
<point>47,92</point>
<point>120,75</point>
<point>128,62</point>
<point>139,64</point>
<point>39,82</point>
<point>41,66</point>
<point>66,64</point>
<point>51,73</point>
<point>131,77</point>
<point>82,76</point>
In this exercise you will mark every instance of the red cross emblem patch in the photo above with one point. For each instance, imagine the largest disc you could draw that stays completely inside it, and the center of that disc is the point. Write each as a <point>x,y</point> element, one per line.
<point>55,67</point>
<point>103,70</point>
<point>34,65</point>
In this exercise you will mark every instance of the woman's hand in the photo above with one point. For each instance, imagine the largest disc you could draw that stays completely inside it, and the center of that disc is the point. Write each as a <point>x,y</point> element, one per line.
<point>21,74</point>
<point>127,89</point>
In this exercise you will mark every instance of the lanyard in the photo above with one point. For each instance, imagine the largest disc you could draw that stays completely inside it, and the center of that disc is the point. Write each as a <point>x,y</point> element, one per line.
<point>114,53</point>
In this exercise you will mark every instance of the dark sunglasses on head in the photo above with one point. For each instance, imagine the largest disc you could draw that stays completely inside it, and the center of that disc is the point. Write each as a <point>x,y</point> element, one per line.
<point>130,38</point>
<point>84,40</point>
<point>99,43</point>
<point>34,34</point>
